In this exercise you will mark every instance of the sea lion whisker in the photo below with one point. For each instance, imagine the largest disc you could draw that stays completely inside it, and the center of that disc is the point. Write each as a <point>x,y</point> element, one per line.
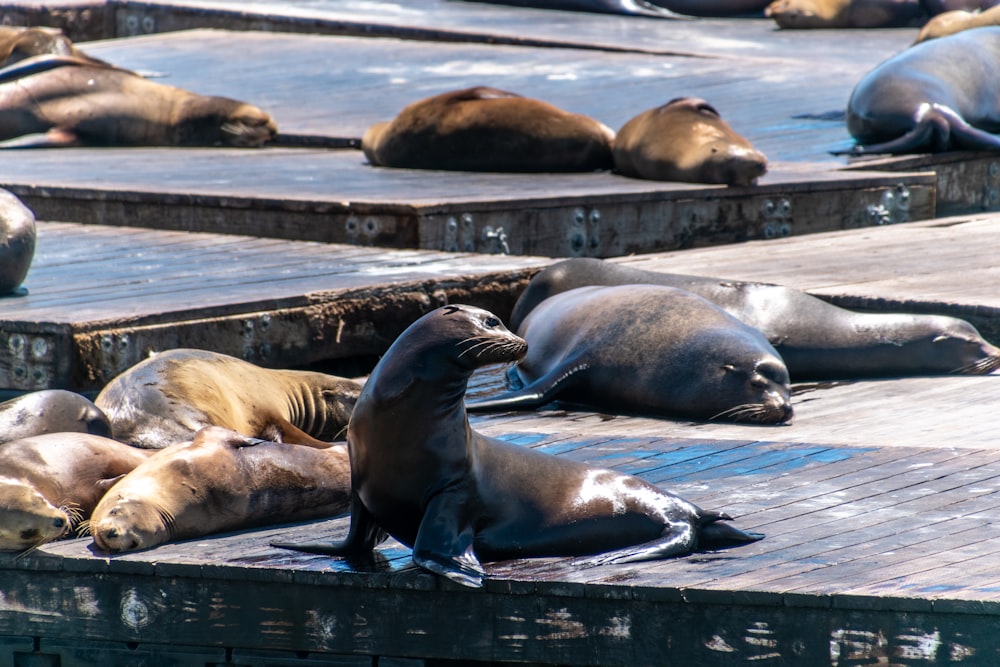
<point>979,366</point>
<point>83,528</point>
<point>482,341</point>
<point>29,550</point>
<point>745,410</point>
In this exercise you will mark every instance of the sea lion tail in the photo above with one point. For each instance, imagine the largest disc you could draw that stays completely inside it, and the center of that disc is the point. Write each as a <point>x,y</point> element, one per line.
<point>714,533</point>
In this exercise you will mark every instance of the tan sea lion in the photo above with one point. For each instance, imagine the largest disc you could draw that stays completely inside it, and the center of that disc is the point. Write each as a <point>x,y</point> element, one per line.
<point>18,234</point>
<point>51,411</point>
<point>646,349</point>
<point>421,474</point>
<point>172,395</point>
<point>18,43</point>
<point>936,96</point>
<point>686,140</point>
<point>816,339</point>
<point>801,14</point>
<point>949,23</point>
<point>50,483</point>
<point>69,102</point>
<point>485,129</point>
<point>220,481</point>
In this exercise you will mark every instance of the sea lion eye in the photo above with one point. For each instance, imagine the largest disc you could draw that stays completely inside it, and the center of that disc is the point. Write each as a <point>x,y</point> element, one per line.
<point>492,322</point>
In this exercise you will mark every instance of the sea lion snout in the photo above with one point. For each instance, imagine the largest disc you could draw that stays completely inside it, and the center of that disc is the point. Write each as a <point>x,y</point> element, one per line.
<point>248,126</point>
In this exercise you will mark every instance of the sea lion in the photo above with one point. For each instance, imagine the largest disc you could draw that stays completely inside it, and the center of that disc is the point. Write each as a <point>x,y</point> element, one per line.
<point>218,482</point>
<point>686,140</point>
<point>952,22</point>
<point>646,349</point>
<point>75,103</point>
<point>421,474</point>
<point>18,234</point>
<point>816,339</point>
<point>18,43</point>
<point>800,14</point>
<point>935,96</point>
<point>172,395</point>
<point>51,411</point>
<point>485,129</point>
<point>50,483</point>
<point>935,7</point>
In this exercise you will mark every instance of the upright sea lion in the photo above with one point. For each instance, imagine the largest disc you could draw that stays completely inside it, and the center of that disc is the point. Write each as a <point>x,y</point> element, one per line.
<point>74,103</point>
<point>172,395</point>
<point>686,140</point>
<point>51,411</point>
<point>50,483</point>
<point>936,96</point>
<point>18,43</point>
<point>218,482</point>
<point>958,20</point>
<point>18,234</point>
<point>845,13</point>
<point>646,349</point>
<point>485,129</point>
<point>421,474</point>
<point>817,340</point>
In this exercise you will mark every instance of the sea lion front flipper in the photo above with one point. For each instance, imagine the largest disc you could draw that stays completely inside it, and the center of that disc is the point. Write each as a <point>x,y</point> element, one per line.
<point>282,430</point>
<point>362,538</point>
<point>541,392</point>
<point>444,540</point>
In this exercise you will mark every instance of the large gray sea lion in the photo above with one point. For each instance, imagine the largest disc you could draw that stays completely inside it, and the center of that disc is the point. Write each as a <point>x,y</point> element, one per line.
<point>817,340</point>
<point>486,129</point>
<point>51,411</point>
<point>18,234</point>
<point>218,482</point>
<point>936,96</point>
<point>174,394</point>
<point>421,474</point>
<point>64,101</point>
<point>646,349</point>
<point>50,484</point>
<point>686,140</point>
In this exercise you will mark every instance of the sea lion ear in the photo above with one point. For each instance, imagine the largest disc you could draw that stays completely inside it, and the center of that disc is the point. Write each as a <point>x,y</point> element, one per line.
<point>450,310</point>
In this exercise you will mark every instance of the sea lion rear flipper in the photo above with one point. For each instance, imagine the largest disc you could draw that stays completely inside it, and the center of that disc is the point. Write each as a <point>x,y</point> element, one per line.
<point>541,392</point>
<point>54,138</point>
<point>444,541</point>
<point>362,538</point>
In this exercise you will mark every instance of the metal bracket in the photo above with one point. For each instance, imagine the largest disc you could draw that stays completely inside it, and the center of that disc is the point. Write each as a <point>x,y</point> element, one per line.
<point>777,218</point>
<point>584,231</point>
<point>893,207</point>
<point>499,236</point>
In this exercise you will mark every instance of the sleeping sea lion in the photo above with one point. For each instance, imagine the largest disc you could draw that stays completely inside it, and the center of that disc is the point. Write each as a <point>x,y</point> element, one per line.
<point>172,395</point>
<point>51,411</point>
<point>958,20</point>
<point>485,129</point>
<point>646,349</point>
<point>801,14</point>
<point>18,43</point>
<point>48,101</point>
<point>686,140</point>
<point>220,481</point>
<point>421,474</point>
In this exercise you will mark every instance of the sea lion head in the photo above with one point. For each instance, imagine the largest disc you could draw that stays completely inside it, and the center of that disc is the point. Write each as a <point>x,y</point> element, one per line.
<point>27,519</point>
<point>18,234</point>
<point>765,387</point>
<point>213,121</point>
<point>956,344</point>
<point>131,525</point>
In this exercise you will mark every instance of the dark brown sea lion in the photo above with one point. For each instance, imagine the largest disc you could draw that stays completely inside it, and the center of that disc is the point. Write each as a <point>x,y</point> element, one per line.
<point>936,96</point>
<point>51,411</point>
<point>845,13</point>
<point>421,474</point>
<point>817,340</point>
<point>485,129</point>
<point>172,395</point>
<point>18,43</point>
<point>74,103</point>
<point>686,140</point>
<point>18,235</point>
<point>50,483</point>
<point>949,23</point>
<point>220,481</point>
<point>646,349</point>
